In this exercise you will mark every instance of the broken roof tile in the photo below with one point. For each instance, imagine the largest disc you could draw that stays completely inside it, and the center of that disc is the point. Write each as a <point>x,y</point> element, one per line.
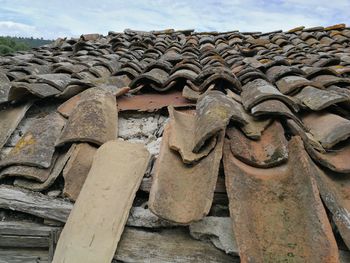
<point>255,127</point>
<point>181,137</point>
<point>10,117</point>
<point>190,94</point>
<point>76,169</point>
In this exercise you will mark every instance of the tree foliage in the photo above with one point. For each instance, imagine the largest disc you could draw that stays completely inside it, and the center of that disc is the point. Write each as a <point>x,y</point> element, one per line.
<point>12,44</point>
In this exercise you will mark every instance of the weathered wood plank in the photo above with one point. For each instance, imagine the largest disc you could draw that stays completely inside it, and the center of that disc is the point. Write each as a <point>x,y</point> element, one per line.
<point>167,246</point>
<point>344,256</point>
<point>24,228</point>
<point>47,207</point>
<point>34,203</point>
<point>19,255</point>
<point>24,241</point>
<point>136,245</point>
<point>94,226</point>
<point>15,255</point>
<point>23,234</point>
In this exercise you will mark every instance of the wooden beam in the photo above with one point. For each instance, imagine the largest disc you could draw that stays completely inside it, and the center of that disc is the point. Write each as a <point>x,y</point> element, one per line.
<point>26,234</point>
<point>136,244</point>
<point>20,255</point>
<point>18,199</point>
<point>33,203</point>
<point>22,234</point>
<point>167,246</point>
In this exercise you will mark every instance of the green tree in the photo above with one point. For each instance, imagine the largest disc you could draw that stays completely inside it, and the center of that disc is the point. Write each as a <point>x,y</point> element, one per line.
<point>10,45</point>
<point>5,49</point>
<point>13,44</point>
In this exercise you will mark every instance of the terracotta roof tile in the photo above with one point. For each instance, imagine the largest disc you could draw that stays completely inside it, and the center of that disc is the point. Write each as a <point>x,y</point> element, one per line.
<point>266,203</point>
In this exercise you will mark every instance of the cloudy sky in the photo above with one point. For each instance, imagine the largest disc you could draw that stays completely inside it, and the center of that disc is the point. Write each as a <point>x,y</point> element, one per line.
<point>57,18</point>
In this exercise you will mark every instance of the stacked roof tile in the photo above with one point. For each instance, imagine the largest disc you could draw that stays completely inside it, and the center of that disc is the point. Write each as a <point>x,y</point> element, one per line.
<point>273,108</point>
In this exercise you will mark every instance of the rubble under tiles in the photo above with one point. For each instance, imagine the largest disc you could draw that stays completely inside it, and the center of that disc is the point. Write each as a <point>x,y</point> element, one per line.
<point>194,146</point>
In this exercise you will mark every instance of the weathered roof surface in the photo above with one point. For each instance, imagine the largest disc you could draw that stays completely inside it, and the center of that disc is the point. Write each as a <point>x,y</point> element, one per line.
<point>275,106</point>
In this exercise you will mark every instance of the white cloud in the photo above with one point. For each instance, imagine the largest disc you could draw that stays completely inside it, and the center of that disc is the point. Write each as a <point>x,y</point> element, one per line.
<point>10,28</point>
<point>62,18</point>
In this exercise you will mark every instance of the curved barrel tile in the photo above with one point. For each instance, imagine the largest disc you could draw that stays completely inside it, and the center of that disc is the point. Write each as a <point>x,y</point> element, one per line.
<point>28,172</point>
<point>19,90</point>
<point>214,111</point>
<point>329,129</point>
<point>59,80</point>
<point>290,84</point>
<point>260,90</point>
<point>5,87</point>
<point>277,72</point>
<point>183,193</point>
<point>270,150</point>
<point>277,212</point>
<point>334,189</point>
<point>318,99</point>
<point>94,119</point>
<point>337,161</point>
<point>37,146</point>
<point>270,108</point>
<point>54,172</point>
